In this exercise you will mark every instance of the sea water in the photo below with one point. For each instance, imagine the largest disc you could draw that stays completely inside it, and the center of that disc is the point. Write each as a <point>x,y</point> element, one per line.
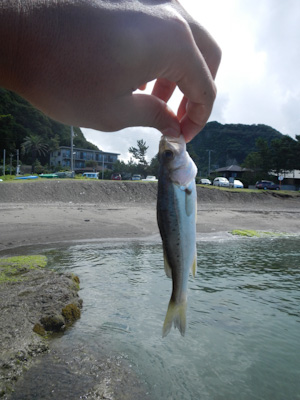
<point>243,321</point>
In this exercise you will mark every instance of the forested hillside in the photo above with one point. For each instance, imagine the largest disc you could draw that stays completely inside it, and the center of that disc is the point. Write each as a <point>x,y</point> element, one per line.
<point>19,120</point>
<point>229,143</point>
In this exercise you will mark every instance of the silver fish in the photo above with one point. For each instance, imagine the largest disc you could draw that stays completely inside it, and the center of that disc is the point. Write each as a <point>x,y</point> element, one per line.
<point>176,217</point>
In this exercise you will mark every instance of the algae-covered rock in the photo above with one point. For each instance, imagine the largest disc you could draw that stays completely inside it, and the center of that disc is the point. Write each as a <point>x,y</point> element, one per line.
<point>39,329</point>
<point>71,313</point>
<point>53,323</point>
<point>32,300</point>
<point>15,269</point>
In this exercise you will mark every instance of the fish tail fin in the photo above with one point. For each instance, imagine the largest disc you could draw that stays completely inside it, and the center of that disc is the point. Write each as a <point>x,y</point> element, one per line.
<point>176,315</point>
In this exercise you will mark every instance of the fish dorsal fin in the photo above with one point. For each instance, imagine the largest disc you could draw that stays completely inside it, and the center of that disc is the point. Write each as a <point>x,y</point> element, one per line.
<point>168,270</point>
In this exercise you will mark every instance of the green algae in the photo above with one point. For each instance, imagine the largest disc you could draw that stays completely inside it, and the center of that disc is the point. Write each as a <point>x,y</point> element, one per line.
<point>75,282</point>
<point>13,269</point>
<point>258,234</point>
<point>39,329</point>
<point>71,313</point>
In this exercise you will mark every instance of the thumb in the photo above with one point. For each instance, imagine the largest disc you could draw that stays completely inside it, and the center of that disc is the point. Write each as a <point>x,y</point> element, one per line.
<point>146,110</point>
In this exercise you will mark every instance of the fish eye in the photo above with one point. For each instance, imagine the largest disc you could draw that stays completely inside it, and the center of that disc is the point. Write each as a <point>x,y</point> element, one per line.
<point>168,154</point>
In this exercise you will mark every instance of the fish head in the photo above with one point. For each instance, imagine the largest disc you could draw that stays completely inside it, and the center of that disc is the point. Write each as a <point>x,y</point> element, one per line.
<point>172,152</point>
<point>174,157</point>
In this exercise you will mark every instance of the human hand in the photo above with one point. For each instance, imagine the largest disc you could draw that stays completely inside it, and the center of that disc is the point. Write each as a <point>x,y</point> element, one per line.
<point>81,62</point>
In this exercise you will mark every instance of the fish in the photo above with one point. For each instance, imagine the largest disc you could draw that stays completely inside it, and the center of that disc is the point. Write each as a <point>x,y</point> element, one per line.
<point>176,218</point>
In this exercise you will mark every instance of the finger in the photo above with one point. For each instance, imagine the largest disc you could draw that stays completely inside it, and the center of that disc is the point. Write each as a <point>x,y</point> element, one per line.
<point>141,110</point>
<point>182,108</point>
<point>208,47</point>
<point>163,89</point>
<point>194,120</point>
<point>142,87</point>
<point>199,91</point>
<point>204,41</point>
<point>185,115</point>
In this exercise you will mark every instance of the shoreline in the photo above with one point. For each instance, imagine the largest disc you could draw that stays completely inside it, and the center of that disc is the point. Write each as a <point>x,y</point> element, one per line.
<point>53,214</point>
<point>37,224</point>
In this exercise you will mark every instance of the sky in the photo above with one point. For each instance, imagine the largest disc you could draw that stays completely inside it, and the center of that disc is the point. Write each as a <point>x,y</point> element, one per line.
<point>259,77</point>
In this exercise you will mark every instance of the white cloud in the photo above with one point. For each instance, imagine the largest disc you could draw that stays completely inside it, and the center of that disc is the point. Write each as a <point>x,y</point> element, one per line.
<point>119,142</point>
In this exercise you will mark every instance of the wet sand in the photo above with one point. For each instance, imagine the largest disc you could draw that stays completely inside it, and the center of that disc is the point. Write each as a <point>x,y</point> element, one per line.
<point>58,211</point>
<point>40,224</point>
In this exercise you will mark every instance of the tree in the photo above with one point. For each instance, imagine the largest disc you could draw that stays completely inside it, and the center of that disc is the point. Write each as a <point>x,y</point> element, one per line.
<point>282,151</point>
<point>34,145</point>
<point>265,155</point>
<point>139,153</point>
<point>91,164</point>
<point>297,152</point>
<point>153,168</point>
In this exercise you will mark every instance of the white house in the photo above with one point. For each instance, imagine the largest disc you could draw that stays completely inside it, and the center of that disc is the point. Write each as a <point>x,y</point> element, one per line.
<point>61,159</point>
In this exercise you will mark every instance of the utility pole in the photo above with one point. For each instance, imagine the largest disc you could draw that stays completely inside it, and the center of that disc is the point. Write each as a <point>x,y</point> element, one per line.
<point>18,167</point>
<point>3,172</point>
<point>72,135</point>
<point>209,151</point>
<point>10,163</point>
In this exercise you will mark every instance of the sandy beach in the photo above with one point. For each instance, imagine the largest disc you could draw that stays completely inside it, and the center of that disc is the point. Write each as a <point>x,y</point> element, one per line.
<point>34,213</point>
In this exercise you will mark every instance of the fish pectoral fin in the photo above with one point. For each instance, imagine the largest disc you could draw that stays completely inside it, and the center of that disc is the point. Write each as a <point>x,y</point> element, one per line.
<point>176,315</point>
<point>168,269</point>
<point>194,267</point>
<point>189,201</point>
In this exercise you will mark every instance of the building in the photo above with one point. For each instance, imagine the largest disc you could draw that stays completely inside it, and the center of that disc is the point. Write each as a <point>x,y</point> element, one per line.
<point>61,159</point>
<point>290,181</point>
<point>234,171</point>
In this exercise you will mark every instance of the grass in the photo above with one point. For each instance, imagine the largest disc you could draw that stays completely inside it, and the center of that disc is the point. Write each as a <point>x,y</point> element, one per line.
<point>12,269</point>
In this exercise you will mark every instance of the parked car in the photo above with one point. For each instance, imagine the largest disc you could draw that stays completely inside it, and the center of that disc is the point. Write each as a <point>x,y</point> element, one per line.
<point>150,178</point>
<point>91,175</point>
<point>236,184</point>
<point>221,182</point>
<point>267,185</point>
<point>205,181</point>
<point>136,177</point>
<point>116,177</point>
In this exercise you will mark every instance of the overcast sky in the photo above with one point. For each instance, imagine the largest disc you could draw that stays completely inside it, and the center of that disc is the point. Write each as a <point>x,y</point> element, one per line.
<point>259,77</point>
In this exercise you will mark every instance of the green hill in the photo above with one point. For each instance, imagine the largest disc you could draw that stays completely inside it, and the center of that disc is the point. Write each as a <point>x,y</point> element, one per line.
<point>230,143</point>
<point>18,120</point>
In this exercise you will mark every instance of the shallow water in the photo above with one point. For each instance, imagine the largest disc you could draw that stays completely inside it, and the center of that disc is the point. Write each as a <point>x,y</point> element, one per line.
<point>243,322</point>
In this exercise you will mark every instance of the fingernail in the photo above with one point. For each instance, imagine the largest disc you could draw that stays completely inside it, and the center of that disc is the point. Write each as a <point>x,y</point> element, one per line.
<point>171,132</point>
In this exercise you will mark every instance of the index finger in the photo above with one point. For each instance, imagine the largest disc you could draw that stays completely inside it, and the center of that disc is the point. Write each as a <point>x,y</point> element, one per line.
<point>204,41</point>
<point>199,91</point>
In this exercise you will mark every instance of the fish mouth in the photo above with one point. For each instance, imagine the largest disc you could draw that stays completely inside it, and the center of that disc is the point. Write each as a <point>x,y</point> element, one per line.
<point>169,146</point>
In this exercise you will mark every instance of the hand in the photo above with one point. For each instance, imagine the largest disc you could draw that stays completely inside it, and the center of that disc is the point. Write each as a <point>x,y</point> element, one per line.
<point>80,62</point>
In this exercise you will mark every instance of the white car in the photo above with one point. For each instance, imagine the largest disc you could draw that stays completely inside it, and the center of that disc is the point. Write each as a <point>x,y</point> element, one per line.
<point>150,178</point>
<point>136,177</point>
<point>237,184</point>
<point>221,182</point>
<point>205,182</point>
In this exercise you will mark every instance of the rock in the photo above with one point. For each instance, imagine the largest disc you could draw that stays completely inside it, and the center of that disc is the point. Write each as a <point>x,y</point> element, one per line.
<point>34,301</point>
<point>71,313</point>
